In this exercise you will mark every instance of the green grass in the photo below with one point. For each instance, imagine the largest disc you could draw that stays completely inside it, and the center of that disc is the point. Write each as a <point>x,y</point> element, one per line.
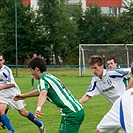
<point>95,108</point>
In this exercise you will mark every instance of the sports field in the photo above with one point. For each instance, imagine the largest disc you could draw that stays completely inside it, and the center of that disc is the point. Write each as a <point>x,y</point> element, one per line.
<point>95,108</point>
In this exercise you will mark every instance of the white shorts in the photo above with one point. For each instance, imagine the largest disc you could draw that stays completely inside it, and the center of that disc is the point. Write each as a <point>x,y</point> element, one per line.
<point>120,115</point>
<point>13,104</point>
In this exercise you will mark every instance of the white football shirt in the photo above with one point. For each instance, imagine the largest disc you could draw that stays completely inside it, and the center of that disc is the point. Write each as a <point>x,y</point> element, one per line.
<point>6,77</point>
<point>111,85</point>
<point>120,115</point>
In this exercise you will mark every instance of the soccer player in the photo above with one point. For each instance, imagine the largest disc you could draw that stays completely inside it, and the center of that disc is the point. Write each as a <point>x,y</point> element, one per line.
<point>106,82</point>
<point>103,56</point>
<point>32,77</point>
<point>120,115</point>
<point>52,89</point>
<point>8,90</point>
<point>32,82</point>
<point>112,64</point>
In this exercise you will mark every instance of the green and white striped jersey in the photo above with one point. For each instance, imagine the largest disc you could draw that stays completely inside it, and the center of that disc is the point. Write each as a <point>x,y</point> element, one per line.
<point>59,94</point>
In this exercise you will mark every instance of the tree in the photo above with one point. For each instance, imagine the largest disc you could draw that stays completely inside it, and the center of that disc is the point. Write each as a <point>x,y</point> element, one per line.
<point>98,28</point>
<point>28,39</point>
<point>7,26</point>
<point>124,30</point>
<point>7,30</point>
<point>92,26</point>
<point>58,27</point>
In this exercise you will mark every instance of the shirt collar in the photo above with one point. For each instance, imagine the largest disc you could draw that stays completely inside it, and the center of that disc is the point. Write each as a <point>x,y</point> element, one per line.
<point>104,72</point>
<point>2,67</point>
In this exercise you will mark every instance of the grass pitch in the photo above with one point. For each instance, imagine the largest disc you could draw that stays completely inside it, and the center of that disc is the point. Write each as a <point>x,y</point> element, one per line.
<point>95,108</point>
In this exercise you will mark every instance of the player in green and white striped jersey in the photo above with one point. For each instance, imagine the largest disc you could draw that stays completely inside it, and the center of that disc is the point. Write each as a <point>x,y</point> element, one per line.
<point>52,89</point>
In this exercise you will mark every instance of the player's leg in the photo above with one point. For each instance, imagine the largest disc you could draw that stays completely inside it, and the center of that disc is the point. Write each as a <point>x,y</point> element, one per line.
<point>31,117</point>
<point>71,123</point>
<point>97,131</point>
<point>20,107</point>
<point>5,120</point>
<point>2,125</point>
<point>32,82</point>
<point>67,126</point>
<point>107,126</point>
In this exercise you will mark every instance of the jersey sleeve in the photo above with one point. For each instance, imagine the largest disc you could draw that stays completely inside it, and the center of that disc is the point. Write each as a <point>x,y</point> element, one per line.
<point>43,85</point>
<point>120,73</point>
<point>127,77</point>
<point>93,90</point>
<point>7,73</point>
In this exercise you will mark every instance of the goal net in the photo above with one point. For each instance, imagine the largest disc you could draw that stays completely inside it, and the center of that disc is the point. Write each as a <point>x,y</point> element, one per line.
<point>122,52</point>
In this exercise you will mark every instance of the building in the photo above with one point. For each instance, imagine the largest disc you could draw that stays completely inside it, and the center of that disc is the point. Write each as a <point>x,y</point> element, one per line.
<point>33,3</point>
<point>108,6</point>
<point>26,2</point>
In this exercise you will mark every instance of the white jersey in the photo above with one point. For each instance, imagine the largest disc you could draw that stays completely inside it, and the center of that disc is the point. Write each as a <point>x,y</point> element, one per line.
<point>6,77</point>
<point>111,85</point>
<point>120,115</point>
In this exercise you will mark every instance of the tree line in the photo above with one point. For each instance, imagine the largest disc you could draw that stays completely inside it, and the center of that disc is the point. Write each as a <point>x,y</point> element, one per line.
<point>56,29</point>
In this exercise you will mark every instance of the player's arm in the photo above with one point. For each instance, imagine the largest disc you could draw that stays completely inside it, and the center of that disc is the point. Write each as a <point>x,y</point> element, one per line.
<point>129,69</point>
<point>84,99</point>
<point>132,68</point>
<point>26,95</point>
<point>90,92</point>
<point>41,100</point>
<point>7,86</point>
<point>130,83</point>
<point>9,79</point>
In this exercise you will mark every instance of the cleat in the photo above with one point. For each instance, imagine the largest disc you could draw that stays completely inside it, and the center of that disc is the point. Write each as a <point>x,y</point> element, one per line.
<point>2,125</point>
<point>11,132</point>
<point>42,129</point>
<point>32,88</point>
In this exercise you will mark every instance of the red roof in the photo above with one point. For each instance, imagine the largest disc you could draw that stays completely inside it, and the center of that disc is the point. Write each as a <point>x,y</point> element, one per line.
<point>26,2</point>
<point>105,3</point>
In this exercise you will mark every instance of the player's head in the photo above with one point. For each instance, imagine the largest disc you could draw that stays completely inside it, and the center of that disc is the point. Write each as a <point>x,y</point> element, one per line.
<point>96,63</point>
<point>2,61</point>
<point>34,55</point>
<point>112,63</point>
<point>96,59</point>
<point>39,63</point>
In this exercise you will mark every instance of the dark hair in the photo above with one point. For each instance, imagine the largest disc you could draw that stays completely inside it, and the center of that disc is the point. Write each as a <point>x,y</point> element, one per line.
<point>96,59</point>
<point>2,55</point>
<point>39,63</point>
<point>112,58</point>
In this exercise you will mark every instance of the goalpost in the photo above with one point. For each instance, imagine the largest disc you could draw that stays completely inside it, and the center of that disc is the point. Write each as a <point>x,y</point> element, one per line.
<point>122,52</point>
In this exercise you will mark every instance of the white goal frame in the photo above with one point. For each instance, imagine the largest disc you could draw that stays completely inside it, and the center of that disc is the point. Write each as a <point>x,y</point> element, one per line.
<point>82,56</point>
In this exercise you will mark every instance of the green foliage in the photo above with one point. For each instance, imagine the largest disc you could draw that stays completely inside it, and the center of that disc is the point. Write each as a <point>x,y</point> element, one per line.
<point>25,31</point>
<point>7,25</point>
<point>123,26</point>
<point>91,26</point>
<point>123,32</point>
<point>56,30</point>
<point>98,28</point>
<point>59,28</point>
